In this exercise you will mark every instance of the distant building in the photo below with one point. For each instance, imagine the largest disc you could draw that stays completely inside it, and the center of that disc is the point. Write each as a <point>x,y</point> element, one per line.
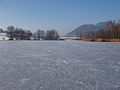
<point>69,38</point>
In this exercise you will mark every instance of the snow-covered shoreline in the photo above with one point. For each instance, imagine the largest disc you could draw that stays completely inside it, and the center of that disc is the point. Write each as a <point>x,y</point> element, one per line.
<point>3,36</point>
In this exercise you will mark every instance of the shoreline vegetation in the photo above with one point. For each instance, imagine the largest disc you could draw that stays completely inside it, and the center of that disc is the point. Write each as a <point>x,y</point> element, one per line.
<point>101,40</point>
<point>15,33</point>
<point>110,34</point>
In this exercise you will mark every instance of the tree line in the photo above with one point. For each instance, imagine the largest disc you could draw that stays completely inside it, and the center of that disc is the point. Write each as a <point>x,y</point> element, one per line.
<point>21,34</point>
<point>112,31</point>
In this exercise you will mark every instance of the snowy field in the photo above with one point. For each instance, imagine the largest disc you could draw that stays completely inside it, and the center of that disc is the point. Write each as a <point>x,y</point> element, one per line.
<point>59,65</point>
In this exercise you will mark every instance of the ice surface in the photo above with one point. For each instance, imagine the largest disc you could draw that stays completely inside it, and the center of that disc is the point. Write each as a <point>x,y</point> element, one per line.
<point>59,65</point>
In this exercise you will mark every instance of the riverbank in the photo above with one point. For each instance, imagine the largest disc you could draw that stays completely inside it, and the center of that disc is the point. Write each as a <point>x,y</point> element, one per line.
<point>101,40</point>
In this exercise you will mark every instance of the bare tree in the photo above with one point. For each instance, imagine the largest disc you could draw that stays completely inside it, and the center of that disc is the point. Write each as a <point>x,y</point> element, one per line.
<point>40,34</point>
<point>110,25</point>
<point>10,32</point>
<point>52,35</point>
<point>28,34</point>
<point>1,30</point>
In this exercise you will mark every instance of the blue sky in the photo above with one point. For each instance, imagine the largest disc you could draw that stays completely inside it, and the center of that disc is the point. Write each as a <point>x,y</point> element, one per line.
<point>62,15</point>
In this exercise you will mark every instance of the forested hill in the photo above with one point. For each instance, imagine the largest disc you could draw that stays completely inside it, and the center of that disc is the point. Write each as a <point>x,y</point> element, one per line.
<point>87,28</point>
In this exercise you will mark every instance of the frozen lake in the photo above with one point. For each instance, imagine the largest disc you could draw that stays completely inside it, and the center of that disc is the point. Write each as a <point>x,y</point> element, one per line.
<point>59,65</point>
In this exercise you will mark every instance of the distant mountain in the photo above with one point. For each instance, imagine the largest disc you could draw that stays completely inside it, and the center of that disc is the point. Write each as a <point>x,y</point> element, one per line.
<point>86,28</point>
